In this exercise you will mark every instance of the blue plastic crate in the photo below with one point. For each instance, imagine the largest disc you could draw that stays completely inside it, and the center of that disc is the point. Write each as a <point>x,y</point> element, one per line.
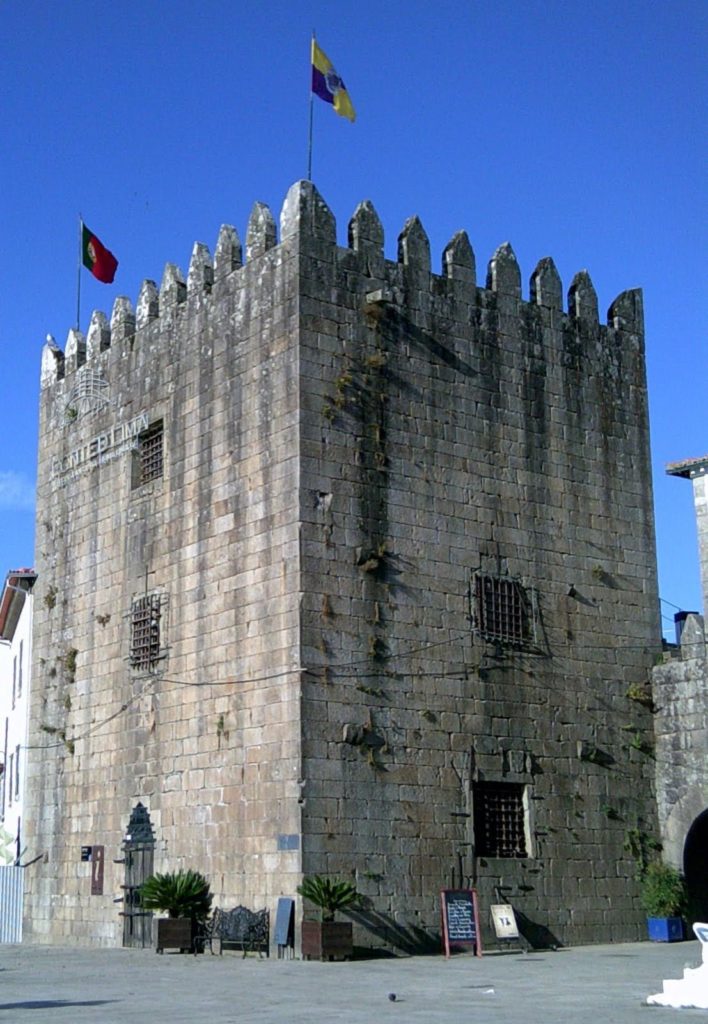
<point>665,929</point>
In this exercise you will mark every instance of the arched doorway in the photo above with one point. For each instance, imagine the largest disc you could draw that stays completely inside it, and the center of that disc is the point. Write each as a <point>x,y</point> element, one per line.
<point>695,867</point>
<point>138,851</point>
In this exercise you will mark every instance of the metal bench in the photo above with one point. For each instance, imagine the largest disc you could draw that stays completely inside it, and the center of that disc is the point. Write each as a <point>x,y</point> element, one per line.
<point>240,928</point>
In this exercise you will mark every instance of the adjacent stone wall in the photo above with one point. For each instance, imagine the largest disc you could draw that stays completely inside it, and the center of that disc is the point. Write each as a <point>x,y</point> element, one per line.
<point>681,699</point>
<point>681,707</point>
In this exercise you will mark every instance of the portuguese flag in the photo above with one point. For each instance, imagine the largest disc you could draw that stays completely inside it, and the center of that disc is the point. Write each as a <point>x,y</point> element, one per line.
<point>99,260</point>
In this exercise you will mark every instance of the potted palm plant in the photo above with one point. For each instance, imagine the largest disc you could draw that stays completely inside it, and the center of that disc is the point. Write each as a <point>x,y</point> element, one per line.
<point>664,899</point>
<point>186,899</point>
<point>327,939</point>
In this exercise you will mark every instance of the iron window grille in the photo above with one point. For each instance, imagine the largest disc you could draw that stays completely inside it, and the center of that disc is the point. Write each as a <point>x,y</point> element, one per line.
<point>502,610</point>
<point>146,617</point>
<point>499,819</point>
<point>148,461</point>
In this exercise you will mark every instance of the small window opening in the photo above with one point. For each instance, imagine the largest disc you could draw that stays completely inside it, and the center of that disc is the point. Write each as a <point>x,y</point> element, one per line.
<point>145,632</point>
<point>148,456</point>
<point>499,819</point>
<point>501,609</point>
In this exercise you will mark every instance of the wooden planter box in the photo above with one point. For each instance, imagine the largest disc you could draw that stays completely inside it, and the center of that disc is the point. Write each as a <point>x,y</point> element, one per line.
<point>327,940</point>
<point>176,933</point>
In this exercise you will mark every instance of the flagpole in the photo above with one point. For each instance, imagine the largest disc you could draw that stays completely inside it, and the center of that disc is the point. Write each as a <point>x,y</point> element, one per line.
<point>309,147</point>
<point>78,276</point>
<point>309,140</point>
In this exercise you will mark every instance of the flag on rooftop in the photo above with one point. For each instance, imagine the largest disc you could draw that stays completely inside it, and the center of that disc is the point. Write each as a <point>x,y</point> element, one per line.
<point>327,84</point>
<point>99,260</point>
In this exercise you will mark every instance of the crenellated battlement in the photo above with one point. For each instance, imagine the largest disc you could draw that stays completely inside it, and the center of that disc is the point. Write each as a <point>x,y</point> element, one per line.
<point>308,225</point>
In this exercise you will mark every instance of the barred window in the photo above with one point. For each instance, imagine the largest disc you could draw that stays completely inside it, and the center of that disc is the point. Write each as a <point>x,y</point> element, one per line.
<point>147,458</point>
<point>499,819</point>
<point>501,609</point>
<point>145,631</point>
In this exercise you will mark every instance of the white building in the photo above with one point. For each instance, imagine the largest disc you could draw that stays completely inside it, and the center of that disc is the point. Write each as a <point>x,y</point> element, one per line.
<point>15,661</point>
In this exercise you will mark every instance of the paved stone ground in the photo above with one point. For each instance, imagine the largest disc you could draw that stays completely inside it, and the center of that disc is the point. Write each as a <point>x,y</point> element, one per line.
<point>583,985</point>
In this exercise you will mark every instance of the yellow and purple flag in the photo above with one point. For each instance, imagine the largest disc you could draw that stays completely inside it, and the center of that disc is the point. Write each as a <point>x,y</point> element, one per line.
<point>327,84</point>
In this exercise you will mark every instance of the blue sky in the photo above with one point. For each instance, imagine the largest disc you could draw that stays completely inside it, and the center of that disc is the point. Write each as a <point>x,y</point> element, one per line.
<point>572,130</point>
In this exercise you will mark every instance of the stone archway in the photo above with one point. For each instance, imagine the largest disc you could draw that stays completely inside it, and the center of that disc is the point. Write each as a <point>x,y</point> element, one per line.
<point>695,867</point>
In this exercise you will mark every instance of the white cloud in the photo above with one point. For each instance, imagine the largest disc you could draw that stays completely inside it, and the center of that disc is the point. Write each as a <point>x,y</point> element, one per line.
<point>16,491</point>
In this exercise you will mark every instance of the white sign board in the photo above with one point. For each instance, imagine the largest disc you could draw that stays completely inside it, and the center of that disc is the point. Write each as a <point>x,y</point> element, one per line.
<point>504,921</point>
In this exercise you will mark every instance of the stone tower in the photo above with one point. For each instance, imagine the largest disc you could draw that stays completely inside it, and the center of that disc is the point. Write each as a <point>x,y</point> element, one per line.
<point>347,567</point>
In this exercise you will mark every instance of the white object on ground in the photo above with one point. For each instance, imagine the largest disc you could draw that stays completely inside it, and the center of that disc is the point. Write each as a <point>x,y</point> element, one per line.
<point>691,991</point>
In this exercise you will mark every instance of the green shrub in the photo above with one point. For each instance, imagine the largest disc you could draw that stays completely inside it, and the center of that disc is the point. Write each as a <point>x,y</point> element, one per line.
<point>328,894</point>
<point>177,894</point>
<point>663,891</point>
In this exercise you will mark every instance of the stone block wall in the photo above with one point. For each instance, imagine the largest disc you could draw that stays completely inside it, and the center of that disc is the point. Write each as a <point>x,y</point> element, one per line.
<point>208,739</point>
<point>681,700</point>
<point>680,696</point>
<point>450,429</point>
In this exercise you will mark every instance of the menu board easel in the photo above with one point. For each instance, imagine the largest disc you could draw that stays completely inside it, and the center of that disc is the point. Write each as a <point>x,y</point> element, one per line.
<point>460,919</point>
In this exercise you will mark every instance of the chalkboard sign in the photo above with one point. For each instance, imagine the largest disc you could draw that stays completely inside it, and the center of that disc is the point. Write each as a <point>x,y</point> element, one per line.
<point>460,919</point>
<point>285,925</point>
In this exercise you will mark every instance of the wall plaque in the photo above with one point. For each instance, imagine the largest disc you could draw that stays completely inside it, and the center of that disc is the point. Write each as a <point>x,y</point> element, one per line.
<point>97,854</point>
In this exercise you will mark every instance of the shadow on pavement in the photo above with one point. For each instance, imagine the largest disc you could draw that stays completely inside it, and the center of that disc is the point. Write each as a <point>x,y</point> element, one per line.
<point>408,938</point>
<point>45,1004</point>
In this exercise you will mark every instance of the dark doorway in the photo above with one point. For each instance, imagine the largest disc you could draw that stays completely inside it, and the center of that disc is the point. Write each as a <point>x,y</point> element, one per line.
<point>138,853</point>
<point>695,867</point>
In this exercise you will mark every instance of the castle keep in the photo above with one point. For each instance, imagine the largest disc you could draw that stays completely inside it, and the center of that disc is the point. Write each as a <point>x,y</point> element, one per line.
<point>345,567</point>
